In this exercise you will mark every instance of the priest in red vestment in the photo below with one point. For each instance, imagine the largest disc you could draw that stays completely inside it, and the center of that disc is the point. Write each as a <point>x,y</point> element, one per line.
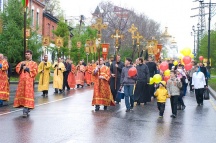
<point>102,93</point>
<point>27,71</point>
<point>88,74</point>
<point>4,84</point>
<point>80,75</point>
<point>71,76</point>
<point>94,65</point>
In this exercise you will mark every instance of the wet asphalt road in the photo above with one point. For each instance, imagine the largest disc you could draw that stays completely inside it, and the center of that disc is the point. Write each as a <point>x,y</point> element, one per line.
<point>70,118</point>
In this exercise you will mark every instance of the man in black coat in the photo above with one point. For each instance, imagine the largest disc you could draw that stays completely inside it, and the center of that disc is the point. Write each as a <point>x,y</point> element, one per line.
<point>65,74</point>
<point>152,71</point>
<point>203,69</point>
<point>141,94</point>
<point>115,70</point>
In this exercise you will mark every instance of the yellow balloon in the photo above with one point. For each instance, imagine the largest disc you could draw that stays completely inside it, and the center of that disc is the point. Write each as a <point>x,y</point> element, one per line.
<point>157,78</point>
<point>192,56</point>
<point>167,73</point>
<point>186,52</point>
<point>175,63</point>
<point>151,81</point>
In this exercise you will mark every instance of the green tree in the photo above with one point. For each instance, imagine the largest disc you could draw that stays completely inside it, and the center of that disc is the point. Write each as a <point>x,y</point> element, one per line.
<point>12,33</point>
<point>63,32</point>
<point>85,34</point>
<point>204,48</point>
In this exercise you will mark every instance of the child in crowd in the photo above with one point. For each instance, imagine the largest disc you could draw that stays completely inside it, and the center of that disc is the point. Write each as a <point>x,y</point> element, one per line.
<point>161,94</point>
<point>173,86</point>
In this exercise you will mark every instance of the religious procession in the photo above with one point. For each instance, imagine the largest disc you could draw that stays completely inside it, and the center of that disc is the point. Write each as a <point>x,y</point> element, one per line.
<point>137,82</point>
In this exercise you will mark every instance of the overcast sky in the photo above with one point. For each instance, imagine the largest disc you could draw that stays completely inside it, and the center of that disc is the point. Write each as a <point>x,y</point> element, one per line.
<point>175,14</point>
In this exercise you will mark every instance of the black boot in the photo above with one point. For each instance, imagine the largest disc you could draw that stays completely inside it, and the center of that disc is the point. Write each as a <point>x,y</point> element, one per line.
<point>56,90</point>
<point>97,108</point>
<point>105,107</point>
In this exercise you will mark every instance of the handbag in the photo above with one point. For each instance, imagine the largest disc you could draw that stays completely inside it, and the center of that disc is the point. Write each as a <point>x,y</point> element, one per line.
<point>120,94</point>
<point>206,94</point>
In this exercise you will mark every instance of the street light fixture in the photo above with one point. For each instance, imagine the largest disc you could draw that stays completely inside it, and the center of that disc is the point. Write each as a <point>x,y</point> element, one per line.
<point>194,34</point>
<point>198,38</point>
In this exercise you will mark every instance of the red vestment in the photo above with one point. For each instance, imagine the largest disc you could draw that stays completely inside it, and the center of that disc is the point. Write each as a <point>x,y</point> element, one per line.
<point>88,74</point>
<point>4,84</point>
<point>25,91</point>
<point>102,93</point>
<point>80,74</point>
<point>93,77</point>
<point>71,77</point>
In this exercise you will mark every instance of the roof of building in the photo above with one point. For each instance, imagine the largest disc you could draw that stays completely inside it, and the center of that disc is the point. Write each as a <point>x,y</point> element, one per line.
<point>39,2</point>
<point>50,16</point>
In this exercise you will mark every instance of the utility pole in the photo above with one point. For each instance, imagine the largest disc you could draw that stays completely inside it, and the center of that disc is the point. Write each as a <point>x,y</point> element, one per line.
<point>210,15</point>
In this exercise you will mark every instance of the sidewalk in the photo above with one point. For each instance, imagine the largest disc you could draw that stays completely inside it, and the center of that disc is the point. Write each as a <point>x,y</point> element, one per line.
<point>212,92</point>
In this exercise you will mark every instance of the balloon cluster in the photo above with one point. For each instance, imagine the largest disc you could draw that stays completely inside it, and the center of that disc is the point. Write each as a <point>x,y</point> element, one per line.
<point>156,79</point>
<point>186,58</point>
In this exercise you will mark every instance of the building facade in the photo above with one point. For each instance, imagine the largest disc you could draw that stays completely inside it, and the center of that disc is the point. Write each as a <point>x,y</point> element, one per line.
<point>36,8</point>
<point>49,24</point>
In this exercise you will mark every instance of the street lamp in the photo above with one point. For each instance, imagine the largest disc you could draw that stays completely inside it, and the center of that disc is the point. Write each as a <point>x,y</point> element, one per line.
<point>198,39</point>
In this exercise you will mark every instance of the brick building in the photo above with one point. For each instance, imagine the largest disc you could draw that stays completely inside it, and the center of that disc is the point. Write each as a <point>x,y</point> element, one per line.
<point>49,24</point>
<point>36,8</point>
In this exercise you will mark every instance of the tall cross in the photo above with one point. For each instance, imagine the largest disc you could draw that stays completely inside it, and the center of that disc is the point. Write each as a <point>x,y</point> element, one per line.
<point>132,30</point>
<point>138,37</point>
<point>99,26</point>
<point>117,36</point>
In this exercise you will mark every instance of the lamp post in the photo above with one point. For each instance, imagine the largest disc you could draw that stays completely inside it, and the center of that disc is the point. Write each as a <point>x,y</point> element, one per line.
<point>194,34</point>
<point>198,43</point>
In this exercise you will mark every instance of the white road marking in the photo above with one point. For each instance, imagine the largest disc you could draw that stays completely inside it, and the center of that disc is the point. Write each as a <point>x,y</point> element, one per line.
<point>42,104</point>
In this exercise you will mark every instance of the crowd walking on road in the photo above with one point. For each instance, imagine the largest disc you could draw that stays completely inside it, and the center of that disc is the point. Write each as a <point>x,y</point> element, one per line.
<point>112,80</point>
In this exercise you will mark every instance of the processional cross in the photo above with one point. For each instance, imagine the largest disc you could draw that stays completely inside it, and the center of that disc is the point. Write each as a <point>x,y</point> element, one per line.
<point>99,26</point>
<point>132,30</point>
<point>138,37</point>
<point>117,36</point>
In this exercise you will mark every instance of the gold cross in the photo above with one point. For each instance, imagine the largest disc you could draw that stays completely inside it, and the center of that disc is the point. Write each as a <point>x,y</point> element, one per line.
<point>117,36</point>
<point>99,26</point>
<point>137,37</point>
<point>132,30</point>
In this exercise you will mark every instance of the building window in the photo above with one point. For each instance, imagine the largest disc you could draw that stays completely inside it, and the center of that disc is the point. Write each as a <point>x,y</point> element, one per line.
<point>52,31</point>
<point>48,29</point>
<point>32,16</point>
<point>38,19</point>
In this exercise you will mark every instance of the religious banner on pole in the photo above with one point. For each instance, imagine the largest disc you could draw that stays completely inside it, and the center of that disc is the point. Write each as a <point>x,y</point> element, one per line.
<point>152,47</point>
<point>59,42</point>
<point>79,44</point>
<point>91,46</point>
<point>28,33</point>
<point>46,41</point>
<point>105,50</point>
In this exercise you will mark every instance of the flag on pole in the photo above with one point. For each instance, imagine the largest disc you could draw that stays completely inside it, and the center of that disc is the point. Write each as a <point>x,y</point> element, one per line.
<point>25,3</point>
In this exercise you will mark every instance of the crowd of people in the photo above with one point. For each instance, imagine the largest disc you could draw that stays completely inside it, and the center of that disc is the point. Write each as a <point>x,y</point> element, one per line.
<point>109,78</point>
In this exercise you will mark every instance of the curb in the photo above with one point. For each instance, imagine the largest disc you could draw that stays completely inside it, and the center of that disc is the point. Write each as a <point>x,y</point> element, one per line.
<point>36,82</point>
<point>212,92</point>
